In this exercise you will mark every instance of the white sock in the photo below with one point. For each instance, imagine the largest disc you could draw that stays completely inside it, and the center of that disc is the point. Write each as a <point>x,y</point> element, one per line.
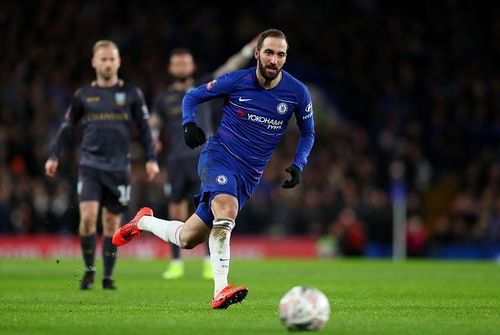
<point>220,252</point>
<point>169,231</point>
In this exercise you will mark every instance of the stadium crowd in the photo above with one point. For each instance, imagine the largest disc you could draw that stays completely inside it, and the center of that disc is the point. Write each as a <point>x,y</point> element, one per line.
<point>411,83</point>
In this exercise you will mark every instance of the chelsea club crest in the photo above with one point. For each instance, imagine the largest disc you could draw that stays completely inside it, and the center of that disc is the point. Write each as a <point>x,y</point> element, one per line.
<point>120,98</point>
<point>221,179</point>
<point>282,108</point>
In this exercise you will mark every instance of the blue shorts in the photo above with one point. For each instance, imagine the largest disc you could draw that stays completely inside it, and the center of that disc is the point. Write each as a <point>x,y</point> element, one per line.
<point>220,173</point>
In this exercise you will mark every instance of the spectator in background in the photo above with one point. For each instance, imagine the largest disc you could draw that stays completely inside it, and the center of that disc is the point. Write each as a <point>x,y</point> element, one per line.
<point>416,236</point>
<point>349,233</point>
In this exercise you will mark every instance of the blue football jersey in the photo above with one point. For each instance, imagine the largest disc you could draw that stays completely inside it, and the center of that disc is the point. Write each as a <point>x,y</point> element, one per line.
<point>254,119</point>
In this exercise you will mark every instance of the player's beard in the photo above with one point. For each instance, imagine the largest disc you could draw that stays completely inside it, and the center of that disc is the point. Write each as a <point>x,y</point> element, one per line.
<point>107,74</point>
<point>181,79</point>
<point>263,72</point>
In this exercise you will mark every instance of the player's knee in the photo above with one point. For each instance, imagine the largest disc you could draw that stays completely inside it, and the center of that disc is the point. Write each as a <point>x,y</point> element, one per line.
<point>225,206</point>
<point>110,224</point>
<point>88,224</point>
<point>108,229</point>
<point>187,243</point>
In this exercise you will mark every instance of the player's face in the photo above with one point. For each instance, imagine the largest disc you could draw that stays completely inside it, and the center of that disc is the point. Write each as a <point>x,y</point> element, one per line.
<point>271,57</point>
<point>181,66</point>
<point>106,62</point>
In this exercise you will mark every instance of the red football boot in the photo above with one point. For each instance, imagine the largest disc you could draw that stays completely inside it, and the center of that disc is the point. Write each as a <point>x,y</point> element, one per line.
<point>229,296</point>
<point>127,232</point>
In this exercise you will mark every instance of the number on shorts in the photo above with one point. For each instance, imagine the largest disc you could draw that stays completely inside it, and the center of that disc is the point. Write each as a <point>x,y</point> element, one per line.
<point>124,194</point>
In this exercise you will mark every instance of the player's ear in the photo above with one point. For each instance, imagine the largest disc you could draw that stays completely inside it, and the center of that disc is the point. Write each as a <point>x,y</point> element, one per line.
<point>92,62</point>
<point>256,53</point>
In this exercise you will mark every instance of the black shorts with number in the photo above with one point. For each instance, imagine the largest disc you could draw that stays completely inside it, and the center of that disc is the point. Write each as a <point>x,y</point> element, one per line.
<point>183,178</point>
<point>110,188</point>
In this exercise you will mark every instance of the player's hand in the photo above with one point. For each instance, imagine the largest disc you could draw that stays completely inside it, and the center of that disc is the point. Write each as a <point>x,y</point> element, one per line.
<point>193,135</point>
<point>152,170</point>
<point>51,167</point>
<point>295,173</point>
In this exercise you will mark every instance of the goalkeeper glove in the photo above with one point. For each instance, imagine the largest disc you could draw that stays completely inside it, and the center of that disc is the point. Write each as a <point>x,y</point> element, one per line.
<point>295,173</point>
<point>193,135</point>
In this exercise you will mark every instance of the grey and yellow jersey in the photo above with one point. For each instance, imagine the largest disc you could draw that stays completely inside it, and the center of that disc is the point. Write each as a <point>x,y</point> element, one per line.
<point>107,115</point>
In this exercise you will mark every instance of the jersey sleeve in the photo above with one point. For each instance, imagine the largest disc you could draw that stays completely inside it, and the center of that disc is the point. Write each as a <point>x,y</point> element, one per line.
<point>73,114</point>
<point>159,107</point>
<point>140,114</point>
<point>305,122</point>
<point>219,87</point>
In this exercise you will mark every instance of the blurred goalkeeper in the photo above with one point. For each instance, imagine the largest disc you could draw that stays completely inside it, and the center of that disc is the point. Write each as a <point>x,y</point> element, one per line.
<point>107,108</point>
<point>259,103</point>
<point>181,162</point>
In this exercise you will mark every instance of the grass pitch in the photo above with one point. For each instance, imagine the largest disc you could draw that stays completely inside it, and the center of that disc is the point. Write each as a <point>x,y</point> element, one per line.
<point>367,297</point>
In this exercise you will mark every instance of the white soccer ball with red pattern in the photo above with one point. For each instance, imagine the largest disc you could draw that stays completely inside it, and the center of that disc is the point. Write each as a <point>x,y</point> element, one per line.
<point>304,308</point>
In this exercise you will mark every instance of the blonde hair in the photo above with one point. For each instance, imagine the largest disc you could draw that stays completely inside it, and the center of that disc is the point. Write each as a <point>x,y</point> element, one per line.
<point>104,44</point>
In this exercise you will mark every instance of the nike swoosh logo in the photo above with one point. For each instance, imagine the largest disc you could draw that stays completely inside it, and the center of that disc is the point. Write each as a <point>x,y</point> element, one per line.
<point>223,259</point>
<point>243,99</point>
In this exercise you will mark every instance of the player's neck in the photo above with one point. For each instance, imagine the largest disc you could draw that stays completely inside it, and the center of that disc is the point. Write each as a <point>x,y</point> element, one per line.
<point>107,82</point>
<point>182,85</point>
<point>268,84</point>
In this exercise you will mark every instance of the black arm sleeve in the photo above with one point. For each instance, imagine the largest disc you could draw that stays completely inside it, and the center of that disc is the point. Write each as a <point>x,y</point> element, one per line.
<point>141,115</point>
<point>73,114</point>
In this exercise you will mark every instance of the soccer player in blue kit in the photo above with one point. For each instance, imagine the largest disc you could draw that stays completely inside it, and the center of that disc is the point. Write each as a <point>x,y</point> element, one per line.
<point>259,103</point>
<point>181,161</point>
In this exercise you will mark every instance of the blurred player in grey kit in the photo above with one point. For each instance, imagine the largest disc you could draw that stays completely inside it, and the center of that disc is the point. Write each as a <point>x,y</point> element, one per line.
<point>107,108</point>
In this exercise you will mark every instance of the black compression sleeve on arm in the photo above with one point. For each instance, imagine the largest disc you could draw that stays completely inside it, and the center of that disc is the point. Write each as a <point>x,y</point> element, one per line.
<point>62,139</point>
<point>141,116</point>
<point>71,118</point>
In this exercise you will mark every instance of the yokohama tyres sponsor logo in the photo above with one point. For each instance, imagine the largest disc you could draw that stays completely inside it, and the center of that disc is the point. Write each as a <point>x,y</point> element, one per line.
<point>309,111</point>
<point>307,116</point>
<point>271,123</point>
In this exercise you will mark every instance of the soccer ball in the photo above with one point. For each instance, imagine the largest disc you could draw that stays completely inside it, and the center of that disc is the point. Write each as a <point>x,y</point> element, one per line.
<point>304,308</point>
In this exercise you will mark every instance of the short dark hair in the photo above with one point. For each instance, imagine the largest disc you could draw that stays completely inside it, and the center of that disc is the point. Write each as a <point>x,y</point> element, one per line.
<point>270,33</point>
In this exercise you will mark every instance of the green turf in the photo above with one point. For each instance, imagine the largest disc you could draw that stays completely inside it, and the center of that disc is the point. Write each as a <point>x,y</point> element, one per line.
<point>367,297</point>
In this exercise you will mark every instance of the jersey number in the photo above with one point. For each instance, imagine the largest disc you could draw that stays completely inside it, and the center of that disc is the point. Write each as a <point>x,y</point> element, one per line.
<point>124,194</point>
